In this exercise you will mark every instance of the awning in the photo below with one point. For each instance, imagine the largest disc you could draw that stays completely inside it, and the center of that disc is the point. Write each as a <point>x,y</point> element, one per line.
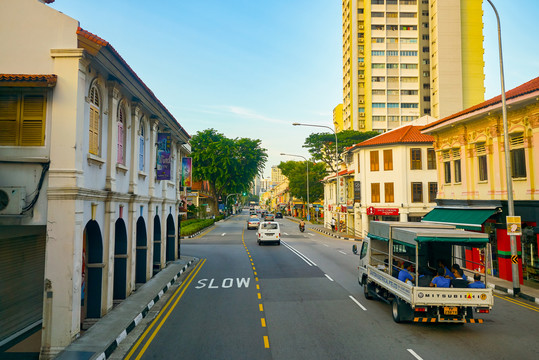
<point>462,218</point>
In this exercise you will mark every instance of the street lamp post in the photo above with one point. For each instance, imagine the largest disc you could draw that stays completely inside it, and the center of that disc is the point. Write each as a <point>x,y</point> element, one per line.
<point>308,203</point>
<point>508,172</point>
<point>336,160</point>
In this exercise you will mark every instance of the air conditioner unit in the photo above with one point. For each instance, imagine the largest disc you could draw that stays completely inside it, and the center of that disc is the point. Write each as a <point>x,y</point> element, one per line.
<point>362,76</point>
<point>12,200</point>
<point>361,64</point>
<point>361,101</point>
<point>361,114</point>
<point>361,27</point>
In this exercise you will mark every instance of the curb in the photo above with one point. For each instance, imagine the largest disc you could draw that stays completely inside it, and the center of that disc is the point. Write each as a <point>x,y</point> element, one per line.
<point>510,292</point>
<point>110,349</point>
<point>334,235</point>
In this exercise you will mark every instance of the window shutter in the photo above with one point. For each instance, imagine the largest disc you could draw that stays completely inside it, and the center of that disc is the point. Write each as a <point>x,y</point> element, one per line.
<point>32,120</point>
<point>8,119</point>
<point>120,142</point>
<point>94,131</point>
<point>141,155</point>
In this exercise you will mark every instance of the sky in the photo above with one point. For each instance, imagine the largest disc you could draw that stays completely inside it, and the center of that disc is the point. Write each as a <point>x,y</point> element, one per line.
<point>250,68</point>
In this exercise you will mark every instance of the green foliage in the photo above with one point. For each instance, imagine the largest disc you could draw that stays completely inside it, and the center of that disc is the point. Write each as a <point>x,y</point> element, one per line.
<point>321,146</point>
<point>229,165</point>
<point>191,226</point>
<point>296,172</point>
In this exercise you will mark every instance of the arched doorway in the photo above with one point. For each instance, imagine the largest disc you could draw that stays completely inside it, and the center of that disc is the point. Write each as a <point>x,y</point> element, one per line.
<point>156,244</point>
<point>170,238</point>
<point>120,260</point>
<point>142,250</point>
<point>92,271</point>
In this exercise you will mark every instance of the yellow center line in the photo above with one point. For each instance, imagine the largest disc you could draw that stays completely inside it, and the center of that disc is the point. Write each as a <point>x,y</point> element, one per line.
<point>263,322</point>
<point>517,302</point>
<point>257,287</point>
<point>266,342</point>
<point>259,296</point>
<point>159,315</point>
<point>261,307</point>
<point>187,283</point>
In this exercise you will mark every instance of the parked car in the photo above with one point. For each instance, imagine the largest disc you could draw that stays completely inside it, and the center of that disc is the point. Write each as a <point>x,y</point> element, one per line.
<point>253,223</point>
<point>278,215</point>
<point>269,231</point>
<point>269,217</point>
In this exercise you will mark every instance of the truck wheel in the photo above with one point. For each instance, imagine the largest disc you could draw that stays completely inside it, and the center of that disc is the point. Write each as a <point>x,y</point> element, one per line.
<point>366,291</point>
<point>395,310</point>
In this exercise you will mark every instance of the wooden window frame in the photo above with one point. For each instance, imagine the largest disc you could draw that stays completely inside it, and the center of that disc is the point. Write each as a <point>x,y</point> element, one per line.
<point>431,159</point>
<point>417,186</point>
<point>415,161</point>
<point>388,160</point>
<point>389,192</point>
<point>375,192</point>
<point>94,134</point>
<point>375,162</point>
<point>26,125</point>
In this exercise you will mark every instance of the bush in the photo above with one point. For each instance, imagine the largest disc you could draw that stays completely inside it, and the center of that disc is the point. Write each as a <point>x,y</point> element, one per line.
<point>194,226</point>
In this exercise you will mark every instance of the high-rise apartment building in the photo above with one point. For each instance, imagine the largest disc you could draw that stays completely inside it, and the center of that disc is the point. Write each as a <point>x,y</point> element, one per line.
<point>277,175</point>
<point>403,59</point>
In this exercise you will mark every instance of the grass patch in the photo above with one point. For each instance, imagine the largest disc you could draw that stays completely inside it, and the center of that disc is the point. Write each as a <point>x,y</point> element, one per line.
<point>191,226</point>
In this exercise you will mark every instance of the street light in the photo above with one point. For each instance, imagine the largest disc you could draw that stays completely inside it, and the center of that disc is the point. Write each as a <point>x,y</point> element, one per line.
<point>308,203</point>
<point>336,158</point>
<point>508,172</point>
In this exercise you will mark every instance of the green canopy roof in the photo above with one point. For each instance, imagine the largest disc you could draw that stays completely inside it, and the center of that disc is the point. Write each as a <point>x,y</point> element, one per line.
<point>469,219</point>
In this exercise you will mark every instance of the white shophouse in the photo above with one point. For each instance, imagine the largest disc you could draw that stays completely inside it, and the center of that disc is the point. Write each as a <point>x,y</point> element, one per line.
<point>83,217</point>
<point>395,173</point>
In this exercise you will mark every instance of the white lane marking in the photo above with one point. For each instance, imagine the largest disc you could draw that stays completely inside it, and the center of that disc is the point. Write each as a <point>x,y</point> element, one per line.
<point>414,354</point>
<point>326,245</point>
<point>330,279</point>
<point>223,234</point>
<point>342,252</point>
<point>357,302</point>
<point>286,234</point>
<point>298,253</point>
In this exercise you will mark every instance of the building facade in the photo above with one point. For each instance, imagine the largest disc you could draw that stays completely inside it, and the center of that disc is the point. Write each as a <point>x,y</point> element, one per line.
<point>90,163</point>
<point>395,177</point>
<point>403,59</point>
<point>472,191</point>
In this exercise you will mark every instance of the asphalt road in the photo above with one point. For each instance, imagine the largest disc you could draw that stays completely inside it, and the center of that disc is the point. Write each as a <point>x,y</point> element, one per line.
<point>301,300</point>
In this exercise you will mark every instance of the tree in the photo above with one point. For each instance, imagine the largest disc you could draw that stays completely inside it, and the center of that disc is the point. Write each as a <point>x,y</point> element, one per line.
<point>321,146</point>
<point>229,165</point>
<point>296,172</point>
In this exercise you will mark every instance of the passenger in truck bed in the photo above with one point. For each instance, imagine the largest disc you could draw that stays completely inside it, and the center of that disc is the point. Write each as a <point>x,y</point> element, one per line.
<point>439,280</point>
<point>458,281</point>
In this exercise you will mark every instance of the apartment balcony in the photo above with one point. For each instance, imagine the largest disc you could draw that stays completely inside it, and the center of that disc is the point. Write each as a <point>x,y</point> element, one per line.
<point>392,33</point>
<point>393,72</point>
<point>378,33</point>
<point>393,98</point>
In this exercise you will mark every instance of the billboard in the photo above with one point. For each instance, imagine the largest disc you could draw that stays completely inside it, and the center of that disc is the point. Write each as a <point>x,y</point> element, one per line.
<point>187,180</point>
<point>163,156</point>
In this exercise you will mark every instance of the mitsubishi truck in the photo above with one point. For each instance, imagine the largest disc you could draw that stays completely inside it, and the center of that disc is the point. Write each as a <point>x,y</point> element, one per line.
<point>389,244</point>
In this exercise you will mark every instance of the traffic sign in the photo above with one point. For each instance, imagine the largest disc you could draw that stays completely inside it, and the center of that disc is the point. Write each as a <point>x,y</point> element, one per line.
<point>514,259</point>
<point>514,226</point>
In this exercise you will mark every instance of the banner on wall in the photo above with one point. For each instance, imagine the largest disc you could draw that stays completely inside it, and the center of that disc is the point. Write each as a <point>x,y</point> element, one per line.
<point>187,180</point>
<point>163,156</point>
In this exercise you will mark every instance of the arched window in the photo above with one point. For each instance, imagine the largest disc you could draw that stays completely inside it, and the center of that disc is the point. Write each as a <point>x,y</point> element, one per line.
<point>120,121</point>
<point>95,102</point>
<point>141,147</point>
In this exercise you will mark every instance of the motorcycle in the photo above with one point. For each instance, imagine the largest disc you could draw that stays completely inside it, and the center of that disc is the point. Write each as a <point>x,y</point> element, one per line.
<point>301,228</point>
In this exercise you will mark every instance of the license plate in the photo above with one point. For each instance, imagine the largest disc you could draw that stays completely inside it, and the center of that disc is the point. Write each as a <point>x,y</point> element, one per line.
<point>451,310</point>
<point>270,234</point>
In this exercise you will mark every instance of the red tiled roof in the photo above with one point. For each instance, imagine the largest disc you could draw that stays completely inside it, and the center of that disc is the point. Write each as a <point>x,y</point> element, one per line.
<point>97,40</point>
<point>34,79</point>
<point>405,134</point>
<point>341,173</point>
<point>526,88</point>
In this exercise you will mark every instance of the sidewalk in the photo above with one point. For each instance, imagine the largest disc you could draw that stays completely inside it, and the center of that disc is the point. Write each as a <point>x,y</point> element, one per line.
<point>526,292</point>
<point>105,336</point>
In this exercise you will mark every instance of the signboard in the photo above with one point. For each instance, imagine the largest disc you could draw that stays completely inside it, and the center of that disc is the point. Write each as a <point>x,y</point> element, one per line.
<point>357,190</point>
<point>514,225</point>
<point>187,168</point>
<point>382,211</point>
<point>163,156</point>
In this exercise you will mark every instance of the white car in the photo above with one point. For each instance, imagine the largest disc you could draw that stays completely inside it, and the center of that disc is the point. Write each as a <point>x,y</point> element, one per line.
<point>269,231</point>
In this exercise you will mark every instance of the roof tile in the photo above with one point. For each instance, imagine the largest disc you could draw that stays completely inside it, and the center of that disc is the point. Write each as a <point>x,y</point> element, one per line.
<point>404,134</point>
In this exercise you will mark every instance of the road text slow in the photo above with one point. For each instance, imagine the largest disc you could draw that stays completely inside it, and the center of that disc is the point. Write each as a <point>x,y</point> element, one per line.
<point>227,283</point>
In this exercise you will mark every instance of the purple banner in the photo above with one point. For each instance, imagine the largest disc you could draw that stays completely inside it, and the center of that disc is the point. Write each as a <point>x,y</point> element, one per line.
<point>187,169</point>
<point>163,156</point>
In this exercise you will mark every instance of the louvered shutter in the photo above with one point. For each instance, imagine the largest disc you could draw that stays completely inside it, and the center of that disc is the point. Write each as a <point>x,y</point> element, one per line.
<point>141,154</point>
<point>8,119</point>
<point>32,120</point>
<point>94,131</point>
<point>120,142</point>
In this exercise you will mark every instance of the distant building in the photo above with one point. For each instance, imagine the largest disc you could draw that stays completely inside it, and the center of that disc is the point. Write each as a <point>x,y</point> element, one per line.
<point>277,175</point>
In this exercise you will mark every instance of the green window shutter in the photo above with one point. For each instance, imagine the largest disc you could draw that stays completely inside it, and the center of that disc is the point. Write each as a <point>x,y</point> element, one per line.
<point>8,119</point>
<point>32,120</point>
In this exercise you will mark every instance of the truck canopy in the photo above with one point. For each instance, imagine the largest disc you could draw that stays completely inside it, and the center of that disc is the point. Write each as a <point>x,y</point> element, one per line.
<point>411,234</point>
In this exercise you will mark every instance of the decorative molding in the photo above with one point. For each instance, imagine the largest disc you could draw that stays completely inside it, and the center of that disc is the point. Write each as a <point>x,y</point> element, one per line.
<point>121,168</point>
<point>67,53</point>
<point>142,174</point>
<point>95,160</point>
